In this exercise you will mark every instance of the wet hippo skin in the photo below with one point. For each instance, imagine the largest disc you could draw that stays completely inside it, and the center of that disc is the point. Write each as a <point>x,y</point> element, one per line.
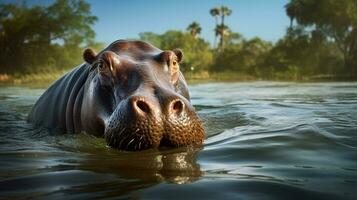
<point>131,93</point>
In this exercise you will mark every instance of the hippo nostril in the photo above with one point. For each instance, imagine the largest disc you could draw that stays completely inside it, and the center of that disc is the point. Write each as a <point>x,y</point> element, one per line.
<point>142,106</point>
<point>177,106</point>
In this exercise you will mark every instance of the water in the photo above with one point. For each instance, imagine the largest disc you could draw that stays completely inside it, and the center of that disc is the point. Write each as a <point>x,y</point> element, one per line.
<point>265,140</point>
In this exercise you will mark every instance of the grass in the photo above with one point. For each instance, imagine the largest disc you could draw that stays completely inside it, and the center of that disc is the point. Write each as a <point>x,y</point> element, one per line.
<point>34,79</point>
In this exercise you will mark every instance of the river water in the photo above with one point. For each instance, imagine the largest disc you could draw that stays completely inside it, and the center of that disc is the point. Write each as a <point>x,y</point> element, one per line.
<point>264,140</point>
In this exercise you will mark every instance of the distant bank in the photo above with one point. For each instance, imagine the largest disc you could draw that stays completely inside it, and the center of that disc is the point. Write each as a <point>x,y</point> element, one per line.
<point>45,79</point>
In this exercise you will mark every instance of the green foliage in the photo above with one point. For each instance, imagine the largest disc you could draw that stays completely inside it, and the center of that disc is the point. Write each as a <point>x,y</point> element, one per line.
<point>194,28</point>
<point>245,56</point>
<point>301,54</point>
<point>334,20</point>
<point>151,37</point>
<point>42,38</point>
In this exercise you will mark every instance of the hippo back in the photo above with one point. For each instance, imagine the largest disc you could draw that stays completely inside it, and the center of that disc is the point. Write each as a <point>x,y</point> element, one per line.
<point>55,109</point>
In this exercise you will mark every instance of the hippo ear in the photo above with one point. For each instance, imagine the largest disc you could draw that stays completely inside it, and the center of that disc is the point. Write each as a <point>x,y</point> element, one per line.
<point>89,55</point>
<point>179,54</point>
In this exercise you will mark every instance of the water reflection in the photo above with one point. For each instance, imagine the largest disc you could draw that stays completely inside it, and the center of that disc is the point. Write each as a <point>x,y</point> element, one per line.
<point>177,166</point>
<point>41,174</point>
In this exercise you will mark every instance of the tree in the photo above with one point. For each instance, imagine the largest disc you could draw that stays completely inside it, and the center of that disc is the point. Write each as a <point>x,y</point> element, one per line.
<point>336,20</point>
<point>71,21</point>
<point>221,31</point>
<point>194,28</point>
<point>37,36</point>
<point>245,56</point>
<point>225,11</point>
<point>233,38</point>
<point>151,37</point>
<point>301,54</point>
<point>291,12</point>
<point>215,12</point>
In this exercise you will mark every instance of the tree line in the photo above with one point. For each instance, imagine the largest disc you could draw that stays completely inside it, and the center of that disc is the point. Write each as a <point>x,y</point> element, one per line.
<point>321,39</point>
<point>44,38</point>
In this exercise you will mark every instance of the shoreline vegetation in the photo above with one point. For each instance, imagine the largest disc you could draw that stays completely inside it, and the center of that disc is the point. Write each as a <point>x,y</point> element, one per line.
<point>319,44</point>
<point>47,78</point>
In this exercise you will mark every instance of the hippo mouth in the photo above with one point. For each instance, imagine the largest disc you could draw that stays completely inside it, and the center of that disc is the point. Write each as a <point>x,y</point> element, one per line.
<point>135,126</point>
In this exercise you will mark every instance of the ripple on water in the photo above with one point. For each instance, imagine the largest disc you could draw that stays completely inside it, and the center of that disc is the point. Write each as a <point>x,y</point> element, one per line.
<point>265,140</point>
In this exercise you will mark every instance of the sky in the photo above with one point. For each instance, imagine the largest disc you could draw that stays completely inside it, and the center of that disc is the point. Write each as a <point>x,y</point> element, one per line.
<point>125,19</point>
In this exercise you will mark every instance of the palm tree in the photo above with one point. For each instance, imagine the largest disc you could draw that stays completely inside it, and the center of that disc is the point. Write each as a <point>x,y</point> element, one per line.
<point>194,28</point>
<point>221,31</point>
<point>224,11</point>
<point>215,12</point>
<point>291,11</point>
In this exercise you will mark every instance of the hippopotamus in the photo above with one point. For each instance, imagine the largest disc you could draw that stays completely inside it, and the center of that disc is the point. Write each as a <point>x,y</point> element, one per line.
<point>131,93</point>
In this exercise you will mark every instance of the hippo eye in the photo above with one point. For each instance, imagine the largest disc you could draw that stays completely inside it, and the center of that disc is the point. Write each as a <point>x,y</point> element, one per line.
<point>101,66</point>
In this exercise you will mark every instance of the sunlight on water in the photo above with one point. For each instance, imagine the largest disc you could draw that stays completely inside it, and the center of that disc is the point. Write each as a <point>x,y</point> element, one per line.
<point>264,140</point>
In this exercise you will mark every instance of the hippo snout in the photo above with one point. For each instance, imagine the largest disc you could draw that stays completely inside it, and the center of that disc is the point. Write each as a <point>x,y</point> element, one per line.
<point>142,122</point>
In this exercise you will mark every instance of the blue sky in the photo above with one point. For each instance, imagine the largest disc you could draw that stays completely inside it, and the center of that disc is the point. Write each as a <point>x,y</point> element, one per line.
<point>125,19</point>
<point>121,19</point>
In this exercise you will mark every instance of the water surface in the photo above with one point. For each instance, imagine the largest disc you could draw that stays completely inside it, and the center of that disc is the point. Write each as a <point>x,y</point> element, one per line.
<point>264,140</point>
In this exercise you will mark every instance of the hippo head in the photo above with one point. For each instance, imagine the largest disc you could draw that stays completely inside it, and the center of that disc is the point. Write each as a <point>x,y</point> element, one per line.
<point>137,98</point>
